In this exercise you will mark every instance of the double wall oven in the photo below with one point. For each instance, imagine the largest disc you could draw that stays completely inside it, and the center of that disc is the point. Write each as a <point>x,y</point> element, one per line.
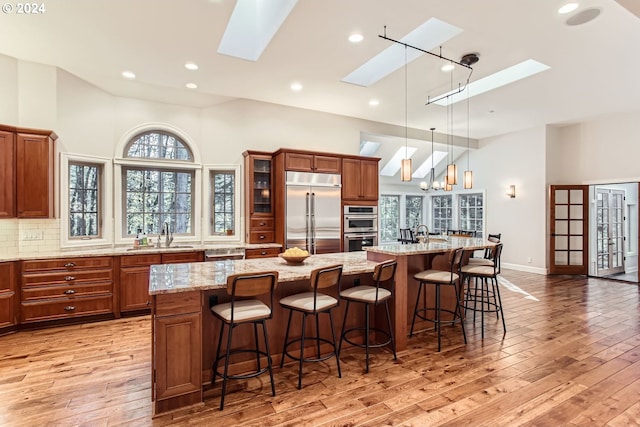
<point>360,227</point>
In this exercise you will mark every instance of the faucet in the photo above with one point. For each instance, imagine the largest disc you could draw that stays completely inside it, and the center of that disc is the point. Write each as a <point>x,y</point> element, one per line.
<point>168,235</point>
<point>422,238</point>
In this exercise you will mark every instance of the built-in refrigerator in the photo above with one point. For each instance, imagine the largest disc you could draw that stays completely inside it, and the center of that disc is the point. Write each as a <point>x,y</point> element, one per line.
<point>313,214</point>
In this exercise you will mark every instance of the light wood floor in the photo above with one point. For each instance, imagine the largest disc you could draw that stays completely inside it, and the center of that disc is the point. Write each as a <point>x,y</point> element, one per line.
<point>571,357</point>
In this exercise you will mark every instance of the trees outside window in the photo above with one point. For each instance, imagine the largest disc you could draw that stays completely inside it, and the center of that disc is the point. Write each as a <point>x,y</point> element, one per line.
<point>223,188</point>
<point>414,207</point>
<point>389,216</point>
<point>84,199</point>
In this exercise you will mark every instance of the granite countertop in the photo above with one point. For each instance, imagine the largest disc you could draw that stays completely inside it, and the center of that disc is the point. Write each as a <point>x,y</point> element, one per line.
<point>128,250</point>
<point>435,245</point>
<point>197,276</point>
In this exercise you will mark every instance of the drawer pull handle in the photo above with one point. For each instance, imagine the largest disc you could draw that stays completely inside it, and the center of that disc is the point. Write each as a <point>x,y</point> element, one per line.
<point>70,264</point>
<point>69,278</point>
<point>262,236</point>
<point>263,253</point>
<point>262,224</point>
<point>69,292</point>
<point>69,308</point>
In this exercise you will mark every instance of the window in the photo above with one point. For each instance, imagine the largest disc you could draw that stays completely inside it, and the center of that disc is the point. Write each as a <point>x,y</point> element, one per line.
<point>158,184</point>
<point>413,210</point>
<point>442,213</point>
<point>84,200</point>
<point>223,186</point>
<point>389,214</point>
<point>470,212</point>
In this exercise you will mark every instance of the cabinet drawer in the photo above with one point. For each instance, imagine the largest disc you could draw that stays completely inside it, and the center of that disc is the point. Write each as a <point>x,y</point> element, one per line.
<point>169,258</point>
<point>66,308</point>
<point>261,253</point>
<point>67,264</point>
<point>258,224</point>
<point>66,277</point>
<point>69,291</point>
<point>261,237</point>
<point>142,259</point>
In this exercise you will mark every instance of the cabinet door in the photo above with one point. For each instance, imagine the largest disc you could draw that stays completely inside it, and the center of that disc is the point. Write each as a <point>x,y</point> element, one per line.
<point>298,162</point>
<point>351,179</point>
<point>134,288</point>
<point>7,175</point>
<point>327,164</point>
<point>34,164</point>
<point>7,295</point>
<point>369,179</point>
<point>260,185</point>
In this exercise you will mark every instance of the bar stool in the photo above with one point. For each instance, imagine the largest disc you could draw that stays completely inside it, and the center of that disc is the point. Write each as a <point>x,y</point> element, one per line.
<point>240,311</point>
<point>440,278</point>
<point>371,295</point>
<point>313,303</point>
<point>487,257</point>
<point>484,298</point>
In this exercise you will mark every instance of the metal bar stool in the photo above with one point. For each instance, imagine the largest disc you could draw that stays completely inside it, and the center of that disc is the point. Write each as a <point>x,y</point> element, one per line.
<point>484,298</point>
<point>313,303</point>
<point>242,310</point>
<point>440,278</point>
<point>384,273</point>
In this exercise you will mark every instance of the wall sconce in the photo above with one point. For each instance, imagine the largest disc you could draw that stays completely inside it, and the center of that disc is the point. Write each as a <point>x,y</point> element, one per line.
<point>511,192</point>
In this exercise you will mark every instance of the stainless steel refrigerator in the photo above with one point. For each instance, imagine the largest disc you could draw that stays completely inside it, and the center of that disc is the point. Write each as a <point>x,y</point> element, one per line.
<point>313,213</point>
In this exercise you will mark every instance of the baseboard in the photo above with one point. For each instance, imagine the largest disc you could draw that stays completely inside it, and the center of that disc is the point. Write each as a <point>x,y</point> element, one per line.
<point>526,268</point>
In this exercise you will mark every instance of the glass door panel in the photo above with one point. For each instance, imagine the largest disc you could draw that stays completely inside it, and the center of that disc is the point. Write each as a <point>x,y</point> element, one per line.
<point>609,231</point>
<point>568,229</point>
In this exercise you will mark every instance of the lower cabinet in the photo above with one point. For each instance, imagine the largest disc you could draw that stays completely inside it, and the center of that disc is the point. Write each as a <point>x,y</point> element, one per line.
<point>177,350</point>
<point>65,288</point>
<point>261,252</point>
<point>134,281</point>
<point>8,297</point>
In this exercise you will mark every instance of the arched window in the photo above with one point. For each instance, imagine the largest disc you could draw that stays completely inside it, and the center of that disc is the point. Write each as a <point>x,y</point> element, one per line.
<point>158,188</point>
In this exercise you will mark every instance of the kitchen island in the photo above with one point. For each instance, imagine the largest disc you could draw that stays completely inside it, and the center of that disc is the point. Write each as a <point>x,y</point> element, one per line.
<point>185,332</point>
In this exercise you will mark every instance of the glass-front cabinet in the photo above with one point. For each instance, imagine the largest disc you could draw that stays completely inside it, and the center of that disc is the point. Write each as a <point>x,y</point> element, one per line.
<point>259,197</point>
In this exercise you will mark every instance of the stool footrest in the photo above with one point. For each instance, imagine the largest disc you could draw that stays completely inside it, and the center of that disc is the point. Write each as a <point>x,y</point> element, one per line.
<point>310,359</point>
<point>419,314</point>
<point>371,345</point>
<point>242,376</point>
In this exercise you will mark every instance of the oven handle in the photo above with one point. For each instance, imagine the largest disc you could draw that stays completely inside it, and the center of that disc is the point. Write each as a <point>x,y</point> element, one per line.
<point>374,217</point>
<point>359,236</point>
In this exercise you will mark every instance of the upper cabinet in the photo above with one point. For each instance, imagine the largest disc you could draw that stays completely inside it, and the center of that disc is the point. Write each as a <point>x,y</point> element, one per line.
<point>26,158</point>
<point>307,162</point>
<point>359,179</point>
<point>258,197</point>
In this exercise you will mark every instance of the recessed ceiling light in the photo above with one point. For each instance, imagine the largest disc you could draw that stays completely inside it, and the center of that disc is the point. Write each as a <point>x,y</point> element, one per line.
<point>374,102</point>
<point>493,81</point>
<point>128,75</point>
<point>567,8</point>
<point>448,67</point>
<point>296,87</point>
<point>191,66</point>
<point>356,38</point>
<point>191,86</point>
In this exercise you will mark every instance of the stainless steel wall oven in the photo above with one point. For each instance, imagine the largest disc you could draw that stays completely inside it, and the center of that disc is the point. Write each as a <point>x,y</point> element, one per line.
<point>360,227</point>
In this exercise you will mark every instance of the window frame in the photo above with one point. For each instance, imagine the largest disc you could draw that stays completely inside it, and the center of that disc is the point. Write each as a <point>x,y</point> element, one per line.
<point>208,234</point>
<point>105,194</point>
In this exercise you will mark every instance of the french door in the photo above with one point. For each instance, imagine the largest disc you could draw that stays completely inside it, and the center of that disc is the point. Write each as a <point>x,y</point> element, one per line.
<point>609,231</point>
<point>568,224</point>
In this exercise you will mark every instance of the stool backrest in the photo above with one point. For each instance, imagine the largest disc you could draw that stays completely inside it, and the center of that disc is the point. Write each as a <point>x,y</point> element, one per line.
<point>326,277</point>
<point>495,238</point>
<point>455,259</point>
<point>252,284</point>
<point>496,254</point>
<point>385,271</point>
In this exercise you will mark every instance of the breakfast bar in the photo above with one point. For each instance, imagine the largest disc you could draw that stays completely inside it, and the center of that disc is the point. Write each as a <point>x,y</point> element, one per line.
<point>184,331</point>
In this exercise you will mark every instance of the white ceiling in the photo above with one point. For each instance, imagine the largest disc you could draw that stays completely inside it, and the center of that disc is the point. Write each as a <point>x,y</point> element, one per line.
<point>594,67</point>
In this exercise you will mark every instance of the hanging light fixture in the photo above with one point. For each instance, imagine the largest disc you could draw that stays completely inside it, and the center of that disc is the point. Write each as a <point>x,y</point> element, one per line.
<point>468,174</point>
<point>452,169</point>
<point>432,184</point>
<point>405,166</point>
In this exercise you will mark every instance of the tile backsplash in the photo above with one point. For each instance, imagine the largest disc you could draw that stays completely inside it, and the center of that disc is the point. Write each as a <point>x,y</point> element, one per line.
<point>29,236</point>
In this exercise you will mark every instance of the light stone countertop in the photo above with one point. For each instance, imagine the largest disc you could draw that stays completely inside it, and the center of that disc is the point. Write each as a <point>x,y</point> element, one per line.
<point>128,250</point>
<point>198,276</point>
<point>435,245</point>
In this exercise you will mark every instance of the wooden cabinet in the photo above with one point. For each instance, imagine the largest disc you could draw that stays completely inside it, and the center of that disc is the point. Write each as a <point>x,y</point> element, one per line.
<point>306,162</point>
<point>7,174</point>
<point>134,281</point>
<point>259,197</point>
<point>26,157</point>
<point>178,257</point>
<point>261,253</point>
<point>65,288</point>
<point>359,179</point>
<point>177,350</point>
<point>8,298</point>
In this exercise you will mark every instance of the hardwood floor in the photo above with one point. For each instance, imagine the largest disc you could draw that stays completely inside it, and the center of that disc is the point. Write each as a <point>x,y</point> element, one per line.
<point>570,357</point>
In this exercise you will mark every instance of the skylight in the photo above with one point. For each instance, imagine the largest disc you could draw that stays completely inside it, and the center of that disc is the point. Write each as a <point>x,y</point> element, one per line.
<point>369,148</point>
<point>252,25</point>
<point>501,78</point>
<point>425,168</point>
<point>427,36</point>
<point>393,166</point>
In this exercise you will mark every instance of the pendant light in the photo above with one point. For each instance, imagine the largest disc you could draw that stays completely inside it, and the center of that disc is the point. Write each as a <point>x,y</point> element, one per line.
<point>468,174</point>
<point>432,176</point>
<point>405,166</point>
<point>452,169</point>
